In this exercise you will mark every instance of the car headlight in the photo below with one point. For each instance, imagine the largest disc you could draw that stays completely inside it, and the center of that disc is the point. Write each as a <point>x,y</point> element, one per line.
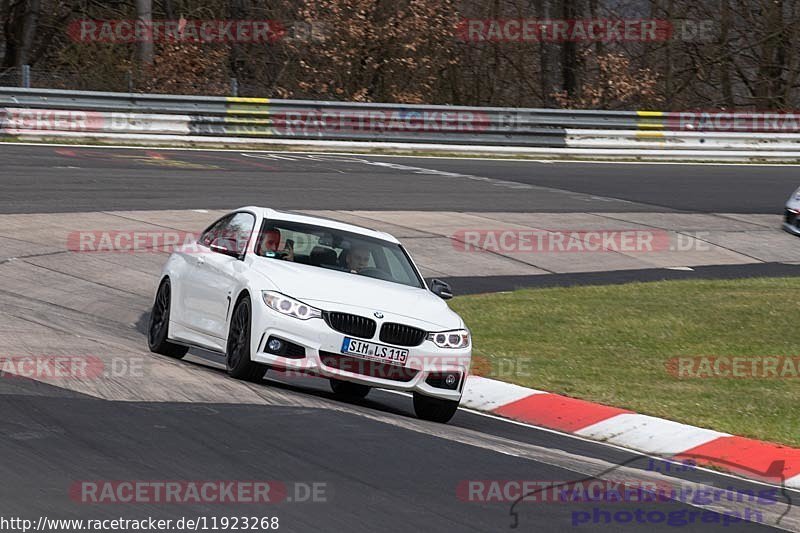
<point>289,306</point>
<point>457,338</point>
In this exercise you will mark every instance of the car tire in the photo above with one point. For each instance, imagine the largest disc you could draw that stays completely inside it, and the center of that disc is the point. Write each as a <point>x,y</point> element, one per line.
<point>237,355</point>
<point>349,391</point>
<point>434,409</point>
<point>158,326</point>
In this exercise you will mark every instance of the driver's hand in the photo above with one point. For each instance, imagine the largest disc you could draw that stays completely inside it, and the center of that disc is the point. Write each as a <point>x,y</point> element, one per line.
<point>289,251</point>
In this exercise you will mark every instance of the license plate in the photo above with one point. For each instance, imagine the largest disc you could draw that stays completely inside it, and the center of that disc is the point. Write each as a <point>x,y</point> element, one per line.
<point>375,352</point>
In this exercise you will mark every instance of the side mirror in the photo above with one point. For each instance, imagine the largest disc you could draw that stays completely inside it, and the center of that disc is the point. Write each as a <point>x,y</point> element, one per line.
<point>441,289</point>
<point>221,246</point>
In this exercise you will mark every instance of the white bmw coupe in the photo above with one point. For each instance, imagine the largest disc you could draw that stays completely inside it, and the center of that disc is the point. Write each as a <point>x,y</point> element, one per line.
<point>272,289</point>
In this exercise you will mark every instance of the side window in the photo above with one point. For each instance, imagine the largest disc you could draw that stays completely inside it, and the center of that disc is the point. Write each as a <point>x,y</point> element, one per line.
<point>231,232</point>
<point>237,231</point>
<point>214,230</point>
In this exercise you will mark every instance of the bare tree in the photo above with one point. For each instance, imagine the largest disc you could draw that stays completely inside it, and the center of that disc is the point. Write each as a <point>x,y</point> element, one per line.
<point>569,53</point>
<point>21,19</point>
<point>144,14</point>
<point>412,51</point>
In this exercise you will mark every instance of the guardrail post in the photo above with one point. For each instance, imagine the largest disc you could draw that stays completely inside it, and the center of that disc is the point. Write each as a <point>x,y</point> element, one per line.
<point>25,82</point>
<point>234,87</point>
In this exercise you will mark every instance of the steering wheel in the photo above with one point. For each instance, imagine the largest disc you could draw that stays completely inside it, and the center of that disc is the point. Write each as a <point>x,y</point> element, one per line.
<point>279,254</point>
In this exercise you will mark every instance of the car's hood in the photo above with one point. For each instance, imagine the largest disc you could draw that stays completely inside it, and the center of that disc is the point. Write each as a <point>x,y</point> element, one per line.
<point>342,291</point>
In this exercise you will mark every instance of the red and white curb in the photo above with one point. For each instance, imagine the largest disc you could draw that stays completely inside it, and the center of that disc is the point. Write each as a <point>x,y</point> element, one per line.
<point>748,457</point>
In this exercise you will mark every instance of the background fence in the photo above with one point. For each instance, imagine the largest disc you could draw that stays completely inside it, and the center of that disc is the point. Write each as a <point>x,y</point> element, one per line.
<point>172,118</point>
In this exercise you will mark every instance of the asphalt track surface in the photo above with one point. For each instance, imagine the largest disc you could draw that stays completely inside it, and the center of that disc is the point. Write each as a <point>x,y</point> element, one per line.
<point>376,475</point>
<point>382,468</point>
<point>39,179</point>
<point>484,284</point>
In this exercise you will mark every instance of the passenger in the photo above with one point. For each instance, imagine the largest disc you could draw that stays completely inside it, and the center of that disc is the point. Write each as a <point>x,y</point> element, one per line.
<point>357,258</point>
<point>271,240</point>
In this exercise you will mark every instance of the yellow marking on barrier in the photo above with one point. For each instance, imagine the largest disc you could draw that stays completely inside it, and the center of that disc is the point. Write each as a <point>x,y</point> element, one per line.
<point>650,120</point>
<point>248,116</point>
<point>246,111</point>
<point>235,120</point>
<point>242,100</point>
<point>248,127</point>
<point>649,134</point>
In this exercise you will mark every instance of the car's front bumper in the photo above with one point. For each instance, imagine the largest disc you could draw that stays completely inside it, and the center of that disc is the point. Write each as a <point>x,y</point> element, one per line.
<point>791,220</point>
<point>323,357</point>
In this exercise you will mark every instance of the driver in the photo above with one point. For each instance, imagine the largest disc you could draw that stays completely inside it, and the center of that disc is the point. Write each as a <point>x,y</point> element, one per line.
<point>357,259</point>
<point>271,240</point>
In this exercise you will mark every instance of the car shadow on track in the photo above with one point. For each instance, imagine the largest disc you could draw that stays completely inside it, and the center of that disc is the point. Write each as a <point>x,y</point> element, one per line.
<point>301,384</point>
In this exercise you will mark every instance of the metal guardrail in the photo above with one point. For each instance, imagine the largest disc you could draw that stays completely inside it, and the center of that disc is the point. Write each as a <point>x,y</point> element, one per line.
<point>26,112</point>
<point>299,119</point>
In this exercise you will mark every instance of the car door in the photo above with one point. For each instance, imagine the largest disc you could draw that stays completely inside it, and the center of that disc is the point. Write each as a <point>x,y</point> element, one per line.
<point>187,287</point>
<point>216,271</point>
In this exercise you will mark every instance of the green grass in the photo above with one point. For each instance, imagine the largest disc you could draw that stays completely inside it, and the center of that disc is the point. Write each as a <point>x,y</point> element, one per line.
<point>610,344</point>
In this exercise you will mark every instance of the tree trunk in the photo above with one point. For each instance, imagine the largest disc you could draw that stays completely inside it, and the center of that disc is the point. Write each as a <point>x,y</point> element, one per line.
<point>237,12</point>
<point>29,20</point>
<point>7,14</point>
<point>548,60</point>
<point>668,67</point>
<point>569,54</point>
<point>20,31</point>
<point>724,52</point>
<point>772,58</point>
<point>144,14</point>
<point>169,10</point>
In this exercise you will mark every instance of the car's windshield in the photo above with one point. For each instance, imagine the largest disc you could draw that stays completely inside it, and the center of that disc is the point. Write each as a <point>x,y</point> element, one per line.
<point>336,249</point>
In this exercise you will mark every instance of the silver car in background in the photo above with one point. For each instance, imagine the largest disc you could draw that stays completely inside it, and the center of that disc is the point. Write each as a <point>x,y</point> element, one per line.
<point>791,213</point>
